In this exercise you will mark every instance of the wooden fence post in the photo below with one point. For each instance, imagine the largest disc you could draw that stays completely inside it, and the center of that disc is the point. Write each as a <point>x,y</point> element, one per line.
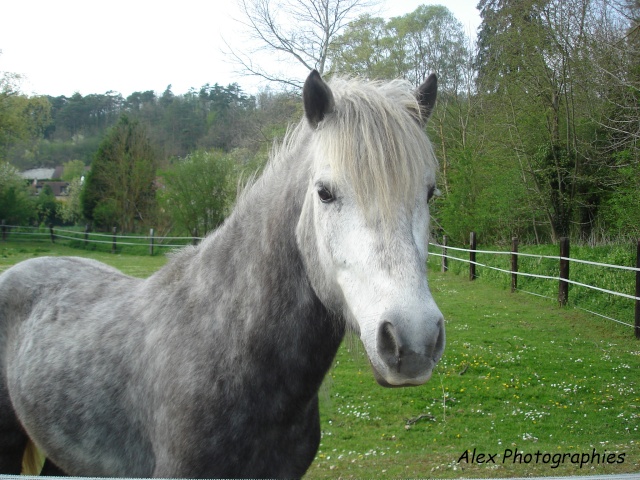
<point>53,235</point>
<point>4,230</point>
<point>637,325</point>
<point>514,264</point>
<point>563,287</point>
<point>113,244</point>
<point>472,256</point>
<point>445,260</point>
<point>195,235</point>
<point>86,235</point>
<point>151,242</point>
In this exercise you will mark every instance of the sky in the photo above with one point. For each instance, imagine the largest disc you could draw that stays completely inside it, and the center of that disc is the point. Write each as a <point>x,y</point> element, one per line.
<point>60,47</point>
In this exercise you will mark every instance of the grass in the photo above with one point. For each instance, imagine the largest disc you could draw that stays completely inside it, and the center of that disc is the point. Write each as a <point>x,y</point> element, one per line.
<point>136,265</point>
<point>518,373</point>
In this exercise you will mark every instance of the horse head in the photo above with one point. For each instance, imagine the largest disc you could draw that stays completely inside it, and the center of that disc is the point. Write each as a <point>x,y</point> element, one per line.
<point>364,227</point>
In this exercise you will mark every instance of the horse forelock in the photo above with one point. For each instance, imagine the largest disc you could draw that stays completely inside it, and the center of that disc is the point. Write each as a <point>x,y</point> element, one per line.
<point>375,141</point>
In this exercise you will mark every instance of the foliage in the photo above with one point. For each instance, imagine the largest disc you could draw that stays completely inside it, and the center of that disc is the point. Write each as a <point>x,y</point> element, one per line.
<point>70,211</point>
<point>430,39</point>
<point>73,169</point>
<point>22,118</point>
<point>46,206</point>
<point>212,116</point>
<point>120,190</point>
<point>16,204</point>
<point>365,49</point>
<point>198,191</point>
<point>540,72</point>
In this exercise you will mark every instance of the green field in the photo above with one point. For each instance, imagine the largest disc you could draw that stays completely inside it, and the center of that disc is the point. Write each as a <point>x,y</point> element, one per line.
<point>517,373</point>
<point>555,387</point>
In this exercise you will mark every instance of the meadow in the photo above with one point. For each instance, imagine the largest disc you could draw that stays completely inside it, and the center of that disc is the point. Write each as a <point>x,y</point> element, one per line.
<point>524,388</point>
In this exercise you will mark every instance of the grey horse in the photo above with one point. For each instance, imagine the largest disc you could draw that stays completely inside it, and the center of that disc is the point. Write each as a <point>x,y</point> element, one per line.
<point>211,367</point>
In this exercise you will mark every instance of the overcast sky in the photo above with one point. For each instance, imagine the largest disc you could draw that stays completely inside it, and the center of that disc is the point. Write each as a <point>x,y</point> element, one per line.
<point>93,46</point>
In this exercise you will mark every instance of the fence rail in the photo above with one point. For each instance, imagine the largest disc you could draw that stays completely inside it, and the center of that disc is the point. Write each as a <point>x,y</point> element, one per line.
<point>114,238</point>
<point>564,260</point>
<point>152,243</point>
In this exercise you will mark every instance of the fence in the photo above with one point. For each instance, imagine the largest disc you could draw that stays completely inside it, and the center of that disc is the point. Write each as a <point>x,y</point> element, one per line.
<point>151,243</point>
<point>562,278</point>
<point>85,238</point>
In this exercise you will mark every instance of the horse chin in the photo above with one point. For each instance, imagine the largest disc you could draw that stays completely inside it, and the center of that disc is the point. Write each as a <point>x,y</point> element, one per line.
<point>399,382</point>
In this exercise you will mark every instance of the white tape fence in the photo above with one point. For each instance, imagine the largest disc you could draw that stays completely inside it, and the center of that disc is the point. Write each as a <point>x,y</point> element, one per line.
<point>562,278</point>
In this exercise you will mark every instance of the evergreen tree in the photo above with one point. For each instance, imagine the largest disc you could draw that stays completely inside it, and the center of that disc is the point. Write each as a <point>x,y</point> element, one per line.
<point>120,188</point>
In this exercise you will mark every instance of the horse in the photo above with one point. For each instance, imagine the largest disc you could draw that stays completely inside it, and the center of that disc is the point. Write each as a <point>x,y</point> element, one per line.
<point>211,366</point>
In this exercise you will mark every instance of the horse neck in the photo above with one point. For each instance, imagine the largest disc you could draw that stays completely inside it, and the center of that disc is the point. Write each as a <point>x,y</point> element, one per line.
<point>254,276</point>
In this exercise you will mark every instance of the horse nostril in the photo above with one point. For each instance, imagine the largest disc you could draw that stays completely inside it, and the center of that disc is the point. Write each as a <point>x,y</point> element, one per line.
<point>438,348</point>
<point>389,348</point>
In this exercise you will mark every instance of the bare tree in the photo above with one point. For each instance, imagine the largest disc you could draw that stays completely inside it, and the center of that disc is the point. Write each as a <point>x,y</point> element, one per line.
<point>299,30</point>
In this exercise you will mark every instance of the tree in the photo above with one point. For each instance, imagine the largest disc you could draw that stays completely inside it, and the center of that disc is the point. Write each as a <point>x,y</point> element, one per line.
<point>120,188</point>
<point>365,49</point>
<point>540,93</point>
<point>299,30</point>
<point>22,119</point>
<point>430,39</point>
<point>16,204</point>
<point>70,210</point>
<point>199,190</point>
<point>73,169</point>
<point>46,206</point>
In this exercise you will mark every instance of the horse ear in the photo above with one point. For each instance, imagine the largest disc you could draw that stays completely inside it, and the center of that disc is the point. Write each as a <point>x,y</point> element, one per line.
<point>317,97</point>
<point>426,94</point>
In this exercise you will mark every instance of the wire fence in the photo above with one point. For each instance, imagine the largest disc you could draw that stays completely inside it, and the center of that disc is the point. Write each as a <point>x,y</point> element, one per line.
<point>561,275</point>
<point>87,239</point>
<point>152,244</point>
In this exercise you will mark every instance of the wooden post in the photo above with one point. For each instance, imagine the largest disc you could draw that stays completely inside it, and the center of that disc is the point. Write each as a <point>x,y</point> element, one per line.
<point>151,242</point>
<point>195,235</point>
<point>514,264</point>
<point>638,292</point>
<point>4,230</point>
<point>86,235</point>
<point>53,235</point>
<point>445,260</point>
<point>113,244</point>
<point>563,287</point>
<point>472,256</point>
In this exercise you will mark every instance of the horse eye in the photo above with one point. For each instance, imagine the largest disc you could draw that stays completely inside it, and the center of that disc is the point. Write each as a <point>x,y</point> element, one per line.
<point>325,194</point>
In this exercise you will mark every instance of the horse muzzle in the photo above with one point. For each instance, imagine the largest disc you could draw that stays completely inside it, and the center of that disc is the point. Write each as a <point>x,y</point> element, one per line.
<point>406,357</point>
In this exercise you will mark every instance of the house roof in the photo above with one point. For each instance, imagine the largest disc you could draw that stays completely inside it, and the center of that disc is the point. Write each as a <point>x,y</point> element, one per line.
<point>57,173</point>
<point>38,174</point>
